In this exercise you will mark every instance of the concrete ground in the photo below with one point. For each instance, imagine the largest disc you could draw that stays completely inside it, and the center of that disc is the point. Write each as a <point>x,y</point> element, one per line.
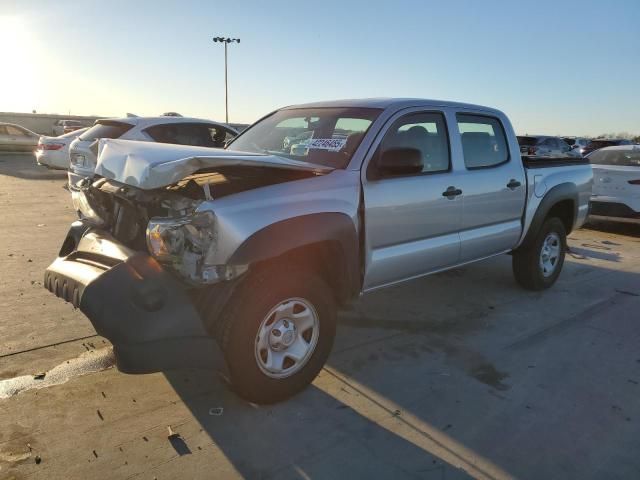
<point>458,375</point>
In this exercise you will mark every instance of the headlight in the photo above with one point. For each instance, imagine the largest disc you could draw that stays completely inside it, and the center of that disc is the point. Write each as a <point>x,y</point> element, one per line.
<point>82,204</point>
<point>187,245</point>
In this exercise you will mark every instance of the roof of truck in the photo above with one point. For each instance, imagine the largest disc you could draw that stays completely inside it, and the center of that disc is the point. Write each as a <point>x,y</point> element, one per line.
<point>390,103</point>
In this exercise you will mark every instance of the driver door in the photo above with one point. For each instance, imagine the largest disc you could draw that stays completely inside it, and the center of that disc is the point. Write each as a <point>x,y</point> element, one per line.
<point>412,225</point>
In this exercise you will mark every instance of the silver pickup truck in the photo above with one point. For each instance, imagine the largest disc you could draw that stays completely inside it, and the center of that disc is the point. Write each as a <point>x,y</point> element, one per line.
<point>240,257</point>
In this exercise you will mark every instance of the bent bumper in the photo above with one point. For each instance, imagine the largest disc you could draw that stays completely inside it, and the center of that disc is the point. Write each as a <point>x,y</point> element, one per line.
<point>130,300</point>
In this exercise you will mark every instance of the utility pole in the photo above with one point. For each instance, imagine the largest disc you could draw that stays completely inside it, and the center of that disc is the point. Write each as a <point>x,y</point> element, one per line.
<point>226,41</point>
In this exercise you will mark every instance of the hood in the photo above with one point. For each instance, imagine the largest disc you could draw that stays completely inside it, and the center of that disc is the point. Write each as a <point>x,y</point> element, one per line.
<point>149,165</point>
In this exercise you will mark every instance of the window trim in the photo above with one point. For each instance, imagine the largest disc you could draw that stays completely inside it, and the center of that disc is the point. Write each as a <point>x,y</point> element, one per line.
<point>504,134</point>
<point>371,165</point>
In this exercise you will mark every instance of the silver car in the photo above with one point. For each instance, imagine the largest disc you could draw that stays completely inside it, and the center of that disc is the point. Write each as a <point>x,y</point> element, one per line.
<point>577,143</point>
<point>545,146</point>
<point>14,138</point>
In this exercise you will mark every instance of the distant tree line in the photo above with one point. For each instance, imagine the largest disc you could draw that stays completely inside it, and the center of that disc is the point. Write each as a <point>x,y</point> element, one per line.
<point>627,135</point>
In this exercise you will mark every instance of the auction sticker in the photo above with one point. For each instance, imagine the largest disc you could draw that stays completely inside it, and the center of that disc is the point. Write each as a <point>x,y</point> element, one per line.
<point>333,144</point>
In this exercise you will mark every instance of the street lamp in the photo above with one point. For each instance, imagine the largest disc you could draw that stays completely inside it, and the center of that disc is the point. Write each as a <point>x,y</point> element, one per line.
<point>226,41</point>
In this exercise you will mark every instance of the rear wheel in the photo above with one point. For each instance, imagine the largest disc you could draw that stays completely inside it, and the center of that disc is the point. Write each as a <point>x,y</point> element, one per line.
<point>538,266</point>
<point>277,332</point>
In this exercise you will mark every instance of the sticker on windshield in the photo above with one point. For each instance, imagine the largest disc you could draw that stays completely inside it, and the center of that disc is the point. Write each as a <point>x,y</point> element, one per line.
<point>332,144</point>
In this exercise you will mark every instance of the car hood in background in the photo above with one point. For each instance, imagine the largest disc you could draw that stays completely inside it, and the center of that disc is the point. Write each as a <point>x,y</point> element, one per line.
<point>153,165</point>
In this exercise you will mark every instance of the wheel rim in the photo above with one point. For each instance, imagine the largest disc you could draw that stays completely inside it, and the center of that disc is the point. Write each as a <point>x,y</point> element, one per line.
<point>550,254</point>
<point>287,338</point>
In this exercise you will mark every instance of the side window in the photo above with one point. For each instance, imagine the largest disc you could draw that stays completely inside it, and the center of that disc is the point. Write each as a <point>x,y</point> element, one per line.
<point>483,141</point>
<point>181,134</point>
<point>426,132</point>
<point>16,132</point>
<point>217,136</point>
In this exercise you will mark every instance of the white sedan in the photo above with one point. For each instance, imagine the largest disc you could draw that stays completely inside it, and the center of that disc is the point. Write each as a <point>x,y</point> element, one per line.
<point>53,152</point>
<point>616,184</point>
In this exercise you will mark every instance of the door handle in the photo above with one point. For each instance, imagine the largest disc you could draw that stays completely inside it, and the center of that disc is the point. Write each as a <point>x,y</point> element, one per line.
<point>513,184</point>
<point>451,192</point>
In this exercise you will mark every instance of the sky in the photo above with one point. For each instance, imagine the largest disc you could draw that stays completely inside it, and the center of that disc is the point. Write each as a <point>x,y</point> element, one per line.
<point>554,67</point>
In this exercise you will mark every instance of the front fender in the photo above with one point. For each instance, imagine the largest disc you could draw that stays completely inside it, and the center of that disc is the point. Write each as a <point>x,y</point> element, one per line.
<point>284,236</point>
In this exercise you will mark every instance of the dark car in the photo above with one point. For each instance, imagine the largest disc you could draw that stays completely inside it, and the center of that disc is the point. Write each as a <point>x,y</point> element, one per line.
<point>599,143</point>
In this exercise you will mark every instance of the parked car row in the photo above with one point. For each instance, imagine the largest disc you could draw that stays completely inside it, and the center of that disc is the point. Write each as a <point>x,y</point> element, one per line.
<point>548,145</point>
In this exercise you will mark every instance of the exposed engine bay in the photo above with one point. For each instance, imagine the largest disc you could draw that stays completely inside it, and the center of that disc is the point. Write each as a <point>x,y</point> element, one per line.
<point>165,220</point>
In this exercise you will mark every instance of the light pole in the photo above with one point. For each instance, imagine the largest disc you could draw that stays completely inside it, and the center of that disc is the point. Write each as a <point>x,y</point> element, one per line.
<point>226,41</point>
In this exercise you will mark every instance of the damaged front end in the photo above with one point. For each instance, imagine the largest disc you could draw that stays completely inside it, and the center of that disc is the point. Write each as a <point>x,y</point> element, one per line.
<point>133,265</point>
<point>162,222</point>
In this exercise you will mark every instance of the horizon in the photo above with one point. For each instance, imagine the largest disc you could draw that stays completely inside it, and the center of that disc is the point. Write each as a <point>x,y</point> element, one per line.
<point>561,73</point>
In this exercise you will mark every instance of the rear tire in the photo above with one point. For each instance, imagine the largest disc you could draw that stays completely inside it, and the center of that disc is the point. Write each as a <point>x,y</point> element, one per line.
<point>537,266</point>
<point>277,332</point>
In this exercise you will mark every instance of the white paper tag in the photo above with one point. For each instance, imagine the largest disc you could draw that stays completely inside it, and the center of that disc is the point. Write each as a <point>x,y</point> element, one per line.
<point>332,144</point>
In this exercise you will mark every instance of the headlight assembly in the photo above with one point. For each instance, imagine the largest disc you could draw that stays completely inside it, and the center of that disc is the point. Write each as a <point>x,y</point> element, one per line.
<point>82,204</point>
<point>186,244</point>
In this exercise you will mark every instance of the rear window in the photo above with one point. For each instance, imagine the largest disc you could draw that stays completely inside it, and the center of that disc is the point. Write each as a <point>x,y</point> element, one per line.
<point>601,144</point>
<point>621,158</point>
<point>75,133</point>
<point>527,141</point>
<point>106,129</point>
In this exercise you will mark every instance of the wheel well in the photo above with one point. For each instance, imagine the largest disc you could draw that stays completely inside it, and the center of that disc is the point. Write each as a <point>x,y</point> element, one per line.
<point>327,258</point>
<point>565,211</point>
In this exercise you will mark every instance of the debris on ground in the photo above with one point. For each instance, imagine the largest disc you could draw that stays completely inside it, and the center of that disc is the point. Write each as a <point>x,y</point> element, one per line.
<point>40,376</point>
<point>38,459</point>
<point>397,413</point>
<point>172,434</point>
<point>216,411</point>
<point>100,415</point>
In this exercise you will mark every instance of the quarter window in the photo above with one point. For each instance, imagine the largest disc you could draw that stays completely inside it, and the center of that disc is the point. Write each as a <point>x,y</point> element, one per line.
<point>426,132</point>
<point>483,141</point>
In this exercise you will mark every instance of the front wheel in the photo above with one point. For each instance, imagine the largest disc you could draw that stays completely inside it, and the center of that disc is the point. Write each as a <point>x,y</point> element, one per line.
<point>277,332</point>
<point>538,265</point>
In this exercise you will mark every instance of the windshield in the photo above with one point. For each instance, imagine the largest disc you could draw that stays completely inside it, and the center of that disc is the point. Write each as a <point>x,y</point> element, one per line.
<point>527,141</point>
<point>106,129</point>
<point>622,158</point>
<point>595,144</point>
<point>325,136</point>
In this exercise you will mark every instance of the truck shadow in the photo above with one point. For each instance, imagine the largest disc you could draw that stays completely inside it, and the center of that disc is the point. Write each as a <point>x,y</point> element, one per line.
<point>424,382</point>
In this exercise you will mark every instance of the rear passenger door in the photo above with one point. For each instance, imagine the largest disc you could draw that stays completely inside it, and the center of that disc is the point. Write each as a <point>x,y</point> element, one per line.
<point>411,225</point>
<point>493,186</point>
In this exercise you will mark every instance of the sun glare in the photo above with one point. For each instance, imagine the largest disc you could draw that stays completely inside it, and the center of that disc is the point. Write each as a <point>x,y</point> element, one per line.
<point>18,63</point>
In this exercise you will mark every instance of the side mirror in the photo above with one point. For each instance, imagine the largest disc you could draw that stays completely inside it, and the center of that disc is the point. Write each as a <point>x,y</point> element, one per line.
<point>399,161</point>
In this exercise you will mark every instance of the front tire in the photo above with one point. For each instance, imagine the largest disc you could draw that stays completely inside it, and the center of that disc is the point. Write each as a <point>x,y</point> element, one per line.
<point>277,332</point>
<point>537,266</point>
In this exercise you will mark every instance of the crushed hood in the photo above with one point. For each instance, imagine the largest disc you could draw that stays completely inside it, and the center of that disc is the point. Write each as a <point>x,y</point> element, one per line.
<point>148,165</point>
